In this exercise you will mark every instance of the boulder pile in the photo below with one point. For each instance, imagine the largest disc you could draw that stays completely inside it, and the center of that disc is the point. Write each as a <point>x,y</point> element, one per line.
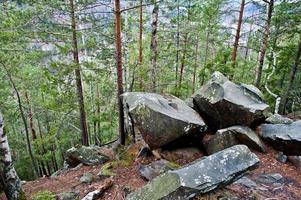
<point>221,117</point>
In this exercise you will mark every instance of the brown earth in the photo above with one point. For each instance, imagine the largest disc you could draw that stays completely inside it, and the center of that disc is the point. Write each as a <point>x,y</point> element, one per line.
<point>128,179</point>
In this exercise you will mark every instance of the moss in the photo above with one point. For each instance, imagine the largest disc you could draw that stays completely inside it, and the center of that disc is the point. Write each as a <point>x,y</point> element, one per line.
<point>173,165</point>
<point>22,196</point>
<point>106,169</point>
<point>44,195</point>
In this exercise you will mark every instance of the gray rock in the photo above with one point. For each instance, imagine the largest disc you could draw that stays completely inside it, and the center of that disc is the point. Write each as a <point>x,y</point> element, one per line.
<point>161,118</point>
<point>270,178</point>
<point>231,136</point>
<point>280,157</point>
<point>71,195</point>
<point>296,160</point>
<point>92,195</point>
<point>155,168</point>
<point>246,182</point>
<point>86,178</point>
<point>223,103</point>
<point>279,119</point>
<point>202,176</point>
<point>283,137</point>
<point>85,155</point>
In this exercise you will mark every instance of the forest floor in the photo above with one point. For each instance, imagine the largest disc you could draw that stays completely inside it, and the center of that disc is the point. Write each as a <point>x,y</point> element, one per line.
<point>127,179</point>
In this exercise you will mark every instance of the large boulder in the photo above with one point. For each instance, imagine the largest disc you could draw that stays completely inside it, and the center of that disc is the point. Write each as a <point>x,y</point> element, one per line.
<point>223,103</point>
<point>283,137</point>
<point>86,155</point>
<point>201,176</point>
<point>231,136</point>
<point>161,118</point>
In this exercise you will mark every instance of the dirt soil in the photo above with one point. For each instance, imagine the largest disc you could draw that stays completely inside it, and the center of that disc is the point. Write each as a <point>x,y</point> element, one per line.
<point>127,179</point>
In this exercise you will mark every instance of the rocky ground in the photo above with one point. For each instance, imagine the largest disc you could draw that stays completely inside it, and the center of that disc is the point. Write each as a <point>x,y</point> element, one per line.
<point>127,178</point>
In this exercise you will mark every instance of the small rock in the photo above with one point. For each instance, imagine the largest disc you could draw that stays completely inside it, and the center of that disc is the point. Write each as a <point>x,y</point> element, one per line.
<point>86,178</point>
<point>296,160</point>
<point>86,155</point>
<point>279,119</point>
<point>246,182</point>
<point>270,178</point>
<point>280,157</point>
<point>71,195</point>
<point>155,168</point>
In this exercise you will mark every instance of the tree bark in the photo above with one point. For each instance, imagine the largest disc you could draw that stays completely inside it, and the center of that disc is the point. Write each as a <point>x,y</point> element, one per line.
<point>154,50</point>
<point>264,44</point>
<point>178,42</point>
<point>119,70</point>
<point>237,35</point>
<point>288,89</point>
<point>140,32</point>
<point>9,180</point>
<point>195,64</point>
<point>79,87</point>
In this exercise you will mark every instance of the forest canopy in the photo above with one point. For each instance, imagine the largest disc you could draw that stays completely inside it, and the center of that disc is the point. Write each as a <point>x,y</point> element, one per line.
<point>63,64</point>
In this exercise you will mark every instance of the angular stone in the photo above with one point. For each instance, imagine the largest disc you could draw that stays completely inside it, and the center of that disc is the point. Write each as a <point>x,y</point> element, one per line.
<point>279,119</point>
<point>71,195</point>
<point>223,103</point>
<point>86,178</point>
<point>296,160</point>
<point>231,136</point>
<point>201,176</point>
<point>283,137</point>
<point>246,182</point>
<point>155,168</point>
<point>85,155</point>
<point>161,118</point>
<point>280,157</point>
<point>270,178</point>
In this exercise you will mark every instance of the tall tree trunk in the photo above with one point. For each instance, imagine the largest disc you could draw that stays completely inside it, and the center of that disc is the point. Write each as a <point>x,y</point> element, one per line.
<point>9,180</point>
<point>195,64</point>
<point>292,76</point>
<point>140,32</point>
<point>237,35</point>
<point>264,44</point>
<point>31,155</point>
<point>154,44</point>
<point>178,42</point>
<point>30,118</point>
<point>79,87</point>
<point>182,63</point>
<point>119,70</point>
<point>98,140</point>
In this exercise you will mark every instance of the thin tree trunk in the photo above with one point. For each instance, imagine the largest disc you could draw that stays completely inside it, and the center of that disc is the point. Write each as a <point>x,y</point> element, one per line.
<point>237,35</point>
<point>288,89</point>
<point>182,63</point>
<point>30,117</point>
<point>264,45</point>
<point>31,155</point>
<point>119,70</point>
<point>79,87</point>
<point>98,141</point>
<point>195,64</point>
<point>178,41</point>
<point>154,50</point>
<point>9,180</point>
<point>140,32</point>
